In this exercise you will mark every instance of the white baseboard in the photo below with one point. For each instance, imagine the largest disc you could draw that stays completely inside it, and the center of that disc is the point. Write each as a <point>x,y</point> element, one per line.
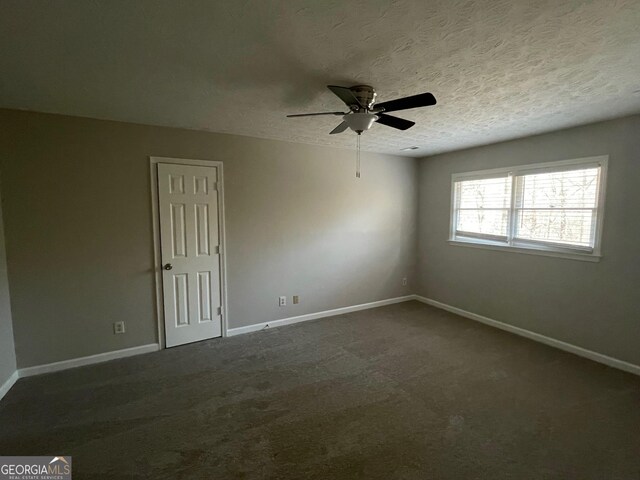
<point>89,360</point>
<point>128,352</point>
<point>567,347</point>
<point>312,316</point>
<point>6,386</point>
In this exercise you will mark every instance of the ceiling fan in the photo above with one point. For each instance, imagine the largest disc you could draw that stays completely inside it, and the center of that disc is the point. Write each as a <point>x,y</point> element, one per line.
<point>363,110</point>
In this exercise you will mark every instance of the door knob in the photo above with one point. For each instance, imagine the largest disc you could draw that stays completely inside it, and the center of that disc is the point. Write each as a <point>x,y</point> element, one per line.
<point>168,266</point>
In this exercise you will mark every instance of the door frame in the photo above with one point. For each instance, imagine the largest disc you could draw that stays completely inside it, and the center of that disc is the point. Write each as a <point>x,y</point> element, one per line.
<point>157,257</point>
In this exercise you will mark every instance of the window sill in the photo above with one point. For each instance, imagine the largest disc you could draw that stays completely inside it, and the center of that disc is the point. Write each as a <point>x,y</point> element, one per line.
<point>584,257</point>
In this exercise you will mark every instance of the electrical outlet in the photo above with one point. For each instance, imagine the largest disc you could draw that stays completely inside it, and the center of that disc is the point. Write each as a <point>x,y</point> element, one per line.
<point>296,299</point>
<point>404,282</point>
<point>118,327</point>
<point>282,302</point>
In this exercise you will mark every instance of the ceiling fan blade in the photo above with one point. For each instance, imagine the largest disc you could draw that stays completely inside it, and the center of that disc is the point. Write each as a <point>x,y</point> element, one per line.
<point>346,95</point>
<point>340,128</point>
<point>415,101</point>
<point>394,122</point>
<point>315,114</point>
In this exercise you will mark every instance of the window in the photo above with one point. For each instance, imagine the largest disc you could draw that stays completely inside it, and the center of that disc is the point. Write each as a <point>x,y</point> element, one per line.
<point>551,208</point>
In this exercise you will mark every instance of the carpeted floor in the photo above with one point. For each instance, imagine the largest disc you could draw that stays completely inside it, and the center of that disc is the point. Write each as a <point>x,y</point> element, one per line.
<point>399,392</point>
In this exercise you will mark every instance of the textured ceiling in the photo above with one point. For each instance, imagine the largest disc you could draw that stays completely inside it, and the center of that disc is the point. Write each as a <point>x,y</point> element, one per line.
<point>500,69</point>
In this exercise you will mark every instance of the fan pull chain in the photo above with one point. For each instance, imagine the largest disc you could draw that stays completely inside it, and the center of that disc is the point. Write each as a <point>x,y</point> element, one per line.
<point>358,157</point>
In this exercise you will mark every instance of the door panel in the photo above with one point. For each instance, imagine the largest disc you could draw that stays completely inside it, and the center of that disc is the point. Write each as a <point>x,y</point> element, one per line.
<point>181,299</point>
<point>178,230</point>
<point>204,296</point>
<point>190,247</point>
<point>202,229</point>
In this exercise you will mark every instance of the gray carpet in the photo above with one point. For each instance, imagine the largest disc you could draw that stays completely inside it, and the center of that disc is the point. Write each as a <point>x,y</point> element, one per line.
<point>400,392</point>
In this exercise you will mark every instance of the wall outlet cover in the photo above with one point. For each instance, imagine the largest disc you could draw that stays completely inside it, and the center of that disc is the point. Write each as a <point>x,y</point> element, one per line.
<point>118,328</point>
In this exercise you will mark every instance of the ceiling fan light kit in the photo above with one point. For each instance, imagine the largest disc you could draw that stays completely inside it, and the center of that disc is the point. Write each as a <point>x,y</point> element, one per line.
<point>363,111</point>
<point>359,121</point>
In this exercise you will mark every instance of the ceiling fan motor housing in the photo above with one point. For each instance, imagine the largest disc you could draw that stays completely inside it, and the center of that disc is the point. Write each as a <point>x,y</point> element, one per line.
<point>365,94</point>
<point>360,119</point>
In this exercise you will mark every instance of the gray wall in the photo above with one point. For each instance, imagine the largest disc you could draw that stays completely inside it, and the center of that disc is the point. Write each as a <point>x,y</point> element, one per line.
<point>79,234</point>
<point>592,305</point>
<point>7,351</point>
<point>76,201</point>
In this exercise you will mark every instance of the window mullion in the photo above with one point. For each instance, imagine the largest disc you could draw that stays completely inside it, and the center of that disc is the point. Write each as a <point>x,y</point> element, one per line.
<point>511,227</point>
<point>457,195</point>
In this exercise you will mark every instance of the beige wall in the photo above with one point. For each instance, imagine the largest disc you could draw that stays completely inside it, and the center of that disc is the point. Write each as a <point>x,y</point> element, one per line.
<point>79,235</point>
<point>7,351</point>
<point>592,305</point>
<point>76,200</point>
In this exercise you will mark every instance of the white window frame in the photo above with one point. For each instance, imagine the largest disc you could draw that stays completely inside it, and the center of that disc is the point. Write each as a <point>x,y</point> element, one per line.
<point>532,246</point>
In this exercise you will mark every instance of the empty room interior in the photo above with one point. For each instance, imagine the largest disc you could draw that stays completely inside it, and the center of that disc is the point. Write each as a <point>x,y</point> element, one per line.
<point>311,239</point>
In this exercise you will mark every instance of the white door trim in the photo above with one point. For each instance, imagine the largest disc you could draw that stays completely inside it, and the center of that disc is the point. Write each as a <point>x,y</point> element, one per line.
<point>157,259</point>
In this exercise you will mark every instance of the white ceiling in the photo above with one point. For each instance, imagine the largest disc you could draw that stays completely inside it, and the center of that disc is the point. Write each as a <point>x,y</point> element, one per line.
<point>500,69</point>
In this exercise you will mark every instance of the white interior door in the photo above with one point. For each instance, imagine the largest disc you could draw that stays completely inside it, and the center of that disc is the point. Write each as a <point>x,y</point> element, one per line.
<point>190,248</point>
